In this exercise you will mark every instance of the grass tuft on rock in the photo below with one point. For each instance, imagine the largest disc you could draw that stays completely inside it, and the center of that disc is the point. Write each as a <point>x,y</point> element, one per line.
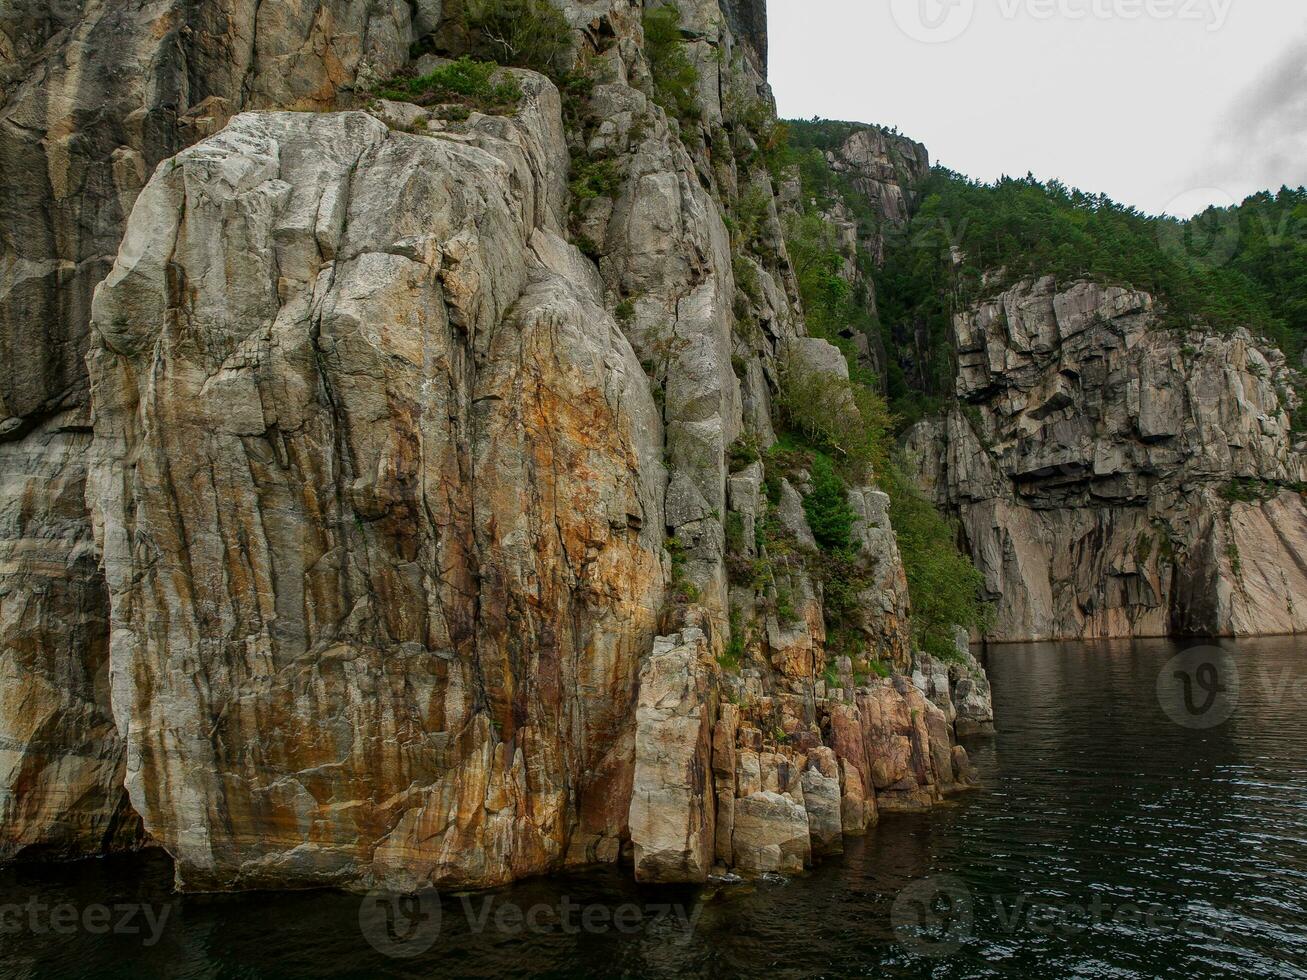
<point>463,83</point>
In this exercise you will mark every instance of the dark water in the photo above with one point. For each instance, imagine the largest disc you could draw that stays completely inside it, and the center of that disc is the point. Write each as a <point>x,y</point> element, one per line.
<point>1110,841</point>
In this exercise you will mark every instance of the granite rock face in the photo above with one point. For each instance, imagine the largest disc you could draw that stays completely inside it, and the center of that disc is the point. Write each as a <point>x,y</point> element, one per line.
<point>884,169</point>
<point>672,803</point>
<point>61,760</point>
<point>98,95</point>
<point>379,503</point>
<point>1115,478</point>
<point>93,95</point>
<point>376,525</point>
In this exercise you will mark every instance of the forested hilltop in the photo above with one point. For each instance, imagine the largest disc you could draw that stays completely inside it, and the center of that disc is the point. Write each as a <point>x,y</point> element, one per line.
<point>1244,266</point>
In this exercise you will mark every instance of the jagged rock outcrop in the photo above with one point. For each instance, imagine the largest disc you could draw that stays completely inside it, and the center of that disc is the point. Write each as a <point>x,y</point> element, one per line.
<point>673,807</point>
<point>1115,477</point>
<point>415,504</point>
<point>959,688</point>
<point>883,169</point>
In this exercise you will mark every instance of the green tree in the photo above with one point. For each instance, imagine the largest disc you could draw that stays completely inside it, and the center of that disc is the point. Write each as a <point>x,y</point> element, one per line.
<point>523,33</point>
<point>827,507</point>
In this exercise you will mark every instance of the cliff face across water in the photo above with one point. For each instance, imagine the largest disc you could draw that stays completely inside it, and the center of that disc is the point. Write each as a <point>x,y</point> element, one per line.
<point>1115,477</point>
<point>383,520</point>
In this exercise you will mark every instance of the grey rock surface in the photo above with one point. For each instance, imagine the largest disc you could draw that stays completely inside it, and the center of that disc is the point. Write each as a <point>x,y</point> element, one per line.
<point>1091,465</point>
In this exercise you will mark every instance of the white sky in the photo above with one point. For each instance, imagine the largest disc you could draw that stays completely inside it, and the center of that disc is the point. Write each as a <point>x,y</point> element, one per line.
<point>1164,104</point>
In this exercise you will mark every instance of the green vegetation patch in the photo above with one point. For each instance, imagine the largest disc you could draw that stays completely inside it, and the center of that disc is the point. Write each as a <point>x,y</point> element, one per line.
<point>465,82</point>
<point>1225,268</point>
<point>530,34</point>
<point>676,80</point>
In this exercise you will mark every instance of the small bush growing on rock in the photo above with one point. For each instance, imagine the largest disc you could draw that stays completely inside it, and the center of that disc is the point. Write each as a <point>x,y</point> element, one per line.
<point>733,656</point>
<point>589,248</point>
<point>735,531</point>
<point>746,278</point>
<point>827,507</point>
<point>594,178</point>
<point>523,33</point>
<point>749,219</point>
<point>466,83</point>
<point>848,421</point>
<point>743,451</point>
<point>676,80</point>
<point>785,608</point>
<point>683,591</point>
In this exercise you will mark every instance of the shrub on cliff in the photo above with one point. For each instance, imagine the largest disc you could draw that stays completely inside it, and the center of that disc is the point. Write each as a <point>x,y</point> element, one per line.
<point>846,420</point>
<point>832,306</point>
<point>522,33</point>
<point>945,588</point>
<point>827,506</point>
<point>464,82</point>
<point>676,80</point>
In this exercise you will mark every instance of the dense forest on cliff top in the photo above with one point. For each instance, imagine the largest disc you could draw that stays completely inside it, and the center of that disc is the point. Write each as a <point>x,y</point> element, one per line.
<point>1225,268</point>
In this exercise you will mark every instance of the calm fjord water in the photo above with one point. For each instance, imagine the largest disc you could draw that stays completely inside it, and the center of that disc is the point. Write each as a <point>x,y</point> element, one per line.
<point>1109,841</point>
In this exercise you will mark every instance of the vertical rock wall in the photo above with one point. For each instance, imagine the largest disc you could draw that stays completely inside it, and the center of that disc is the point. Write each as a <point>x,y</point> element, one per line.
<point>1118,478</point>
<point>394,488</point>
<point>93,96</point>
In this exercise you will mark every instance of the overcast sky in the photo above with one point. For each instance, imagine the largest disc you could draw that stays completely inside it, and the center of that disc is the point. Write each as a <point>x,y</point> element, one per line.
<point>1164,104</point>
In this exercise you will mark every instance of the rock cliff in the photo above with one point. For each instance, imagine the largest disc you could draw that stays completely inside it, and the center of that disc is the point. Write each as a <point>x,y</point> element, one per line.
<point>875,174</point>
<point>418,546</point>
<point>93,95</point>
<point>1115,477</point>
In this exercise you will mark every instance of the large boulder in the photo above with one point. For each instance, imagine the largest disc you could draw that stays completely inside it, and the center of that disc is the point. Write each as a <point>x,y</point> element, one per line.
<point>378,485</point>
<point>771,834</point>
